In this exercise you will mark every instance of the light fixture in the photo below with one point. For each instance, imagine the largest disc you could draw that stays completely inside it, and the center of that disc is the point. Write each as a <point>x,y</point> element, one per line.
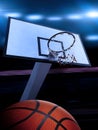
<point>74,16</point>
<point>54,18</point>
<point>34,17</point>
<point>12,15</point>
<point>92,14</point>
<point>92,37</point>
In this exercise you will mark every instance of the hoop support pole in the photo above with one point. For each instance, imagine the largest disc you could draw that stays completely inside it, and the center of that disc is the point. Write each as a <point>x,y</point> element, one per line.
<point>36,80</point>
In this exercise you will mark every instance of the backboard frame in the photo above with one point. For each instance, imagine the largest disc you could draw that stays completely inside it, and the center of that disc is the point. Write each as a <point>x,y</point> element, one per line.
<point>39,51</point>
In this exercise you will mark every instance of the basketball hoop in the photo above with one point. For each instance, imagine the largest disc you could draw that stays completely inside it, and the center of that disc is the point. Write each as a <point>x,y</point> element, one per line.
<point>62,55</point>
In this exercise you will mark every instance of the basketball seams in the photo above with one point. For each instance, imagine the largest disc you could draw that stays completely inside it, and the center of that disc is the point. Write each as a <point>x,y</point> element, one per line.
<point>13,125</point>
<point>60,122</point>
<point>47,116</point>
<point>21,107</point>
<point>25,108</point>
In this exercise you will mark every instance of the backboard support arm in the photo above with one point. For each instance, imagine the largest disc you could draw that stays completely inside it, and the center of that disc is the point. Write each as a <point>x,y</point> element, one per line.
<point>37,77</point>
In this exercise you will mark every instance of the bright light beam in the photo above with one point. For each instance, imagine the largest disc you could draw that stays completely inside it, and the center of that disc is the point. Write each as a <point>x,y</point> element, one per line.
<point>12,15</point>
<point>34,17</point>
<point>54,18</point>
<point>92,14</point>
<point>92,37</point>
<point>74,17</point>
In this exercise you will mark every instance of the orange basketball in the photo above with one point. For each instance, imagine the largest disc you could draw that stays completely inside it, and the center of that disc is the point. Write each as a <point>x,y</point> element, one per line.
<point>37,115</point>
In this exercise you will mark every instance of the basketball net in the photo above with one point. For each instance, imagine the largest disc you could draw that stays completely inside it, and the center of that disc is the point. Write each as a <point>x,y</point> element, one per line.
<point>62,54</point>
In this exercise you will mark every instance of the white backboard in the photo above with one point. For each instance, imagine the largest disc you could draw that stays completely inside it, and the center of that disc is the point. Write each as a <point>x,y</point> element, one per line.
<point>30,40</point>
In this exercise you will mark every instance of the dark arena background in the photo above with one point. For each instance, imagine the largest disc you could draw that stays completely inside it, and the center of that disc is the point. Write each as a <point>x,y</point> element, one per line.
<point>73,87</point>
